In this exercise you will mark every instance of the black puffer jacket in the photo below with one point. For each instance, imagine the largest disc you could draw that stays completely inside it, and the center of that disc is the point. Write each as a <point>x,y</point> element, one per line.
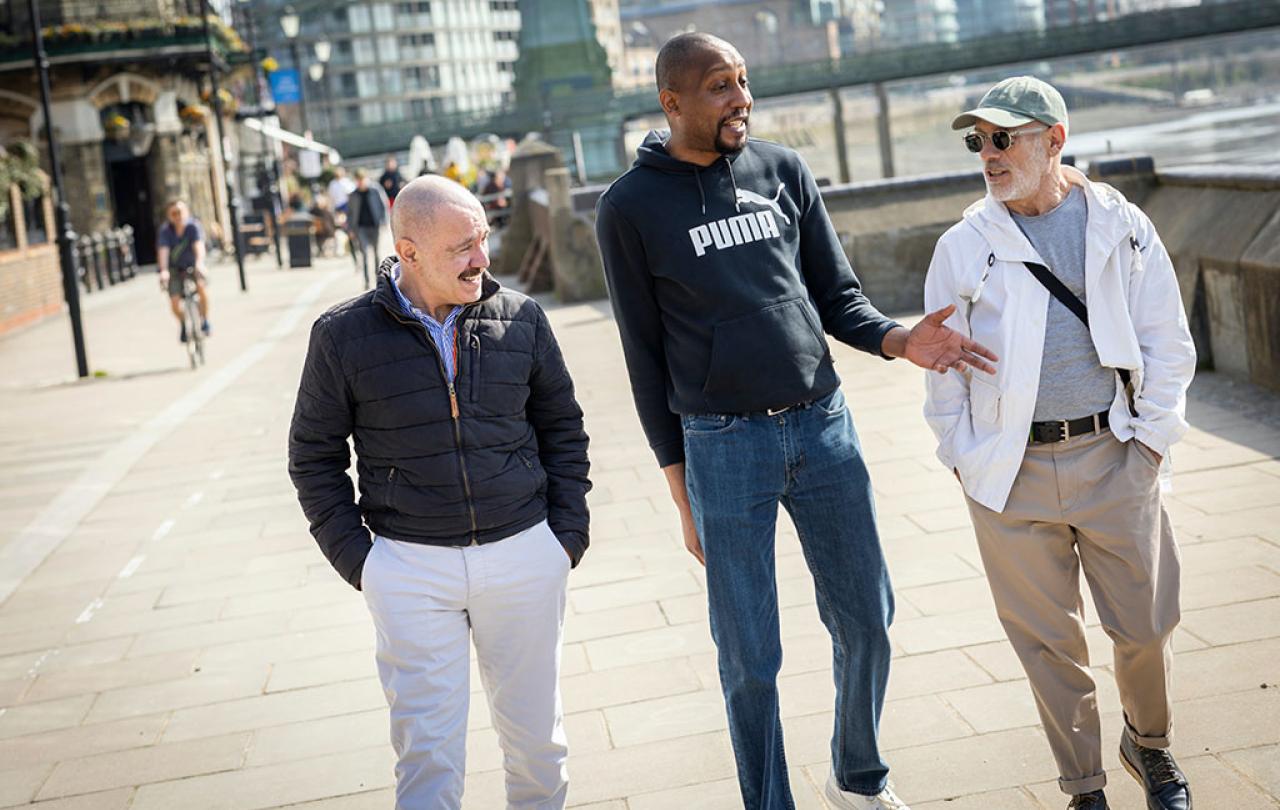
<point>511,454</point>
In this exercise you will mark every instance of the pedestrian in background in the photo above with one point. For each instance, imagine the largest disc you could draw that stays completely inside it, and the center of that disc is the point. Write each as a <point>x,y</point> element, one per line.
<point>367,210</point>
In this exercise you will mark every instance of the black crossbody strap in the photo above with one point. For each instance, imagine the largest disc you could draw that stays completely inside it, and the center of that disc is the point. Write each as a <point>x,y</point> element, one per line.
<point>1059,291</point>
<point>1069,300</point>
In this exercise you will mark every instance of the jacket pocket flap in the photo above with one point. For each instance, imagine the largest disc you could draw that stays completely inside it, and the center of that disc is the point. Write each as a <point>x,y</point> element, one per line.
<point>984,401</point>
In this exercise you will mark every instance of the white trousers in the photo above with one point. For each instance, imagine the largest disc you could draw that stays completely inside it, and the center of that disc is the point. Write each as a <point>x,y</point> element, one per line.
<point>509,598</point>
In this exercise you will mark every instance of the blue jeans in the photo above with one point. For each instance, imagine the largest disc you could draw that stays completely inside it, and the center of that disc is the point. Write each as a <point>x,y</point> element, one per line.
<point>737,470</point>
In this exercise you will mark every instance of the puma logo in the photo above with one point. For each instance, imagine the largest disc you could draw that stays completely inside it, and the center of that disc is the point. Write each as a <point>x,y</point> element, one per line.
<point>740,230</point>
<point>745,196</point>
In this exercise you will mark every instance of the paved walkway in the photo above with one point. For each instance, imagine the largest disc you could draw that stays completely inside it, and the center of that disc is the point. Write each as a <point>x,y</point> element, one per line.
<point>171,637</point>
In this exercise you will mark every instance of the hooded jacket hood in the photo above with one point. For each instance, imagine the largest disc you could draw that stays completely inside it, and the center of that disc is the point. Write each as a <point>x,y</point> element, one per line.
<point>653,154</point>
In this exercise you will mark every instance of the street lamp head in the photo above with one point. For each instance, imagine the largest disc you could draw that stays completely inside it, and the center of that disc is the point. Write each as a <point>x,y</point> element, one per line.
<point>290,23</point>
<point>324,49</point>
<point>316,71</point>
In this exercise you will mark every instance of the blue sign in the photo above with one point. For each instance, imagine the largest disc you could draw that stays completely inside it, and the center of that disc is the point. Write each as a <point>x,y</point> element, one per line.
<point>285,87</point>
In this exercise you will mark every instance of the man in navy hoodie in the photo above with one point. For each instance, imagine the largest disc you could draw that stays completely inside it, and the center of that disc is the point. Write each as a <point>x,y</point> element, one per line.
<point>725,271</point>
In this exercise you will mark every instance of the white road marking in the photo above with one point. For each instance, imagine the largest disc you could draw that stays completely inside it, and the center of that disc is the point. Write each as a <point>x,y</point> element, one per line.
<point>87,613</point>
<point>63,514</point>
<point>193,499</point>
<point>131,567</point>
<point>163,529</point>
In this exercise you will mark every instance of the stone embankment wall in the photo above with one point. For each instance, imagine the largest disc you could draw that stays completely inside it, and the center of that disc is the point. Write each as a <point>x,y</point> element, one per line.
<point>1221,225</point>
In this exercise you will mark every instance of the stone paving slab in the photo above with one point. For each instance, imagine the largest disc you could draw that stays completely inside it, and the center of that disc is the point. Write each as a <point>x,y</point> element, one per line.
<point>181,642</point>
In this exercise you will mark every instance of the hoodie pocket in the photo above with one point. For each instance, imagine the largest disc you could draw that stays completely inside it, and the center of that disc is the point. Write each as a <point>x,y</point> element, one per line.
<point>768,358</point>
<point>984,401</point>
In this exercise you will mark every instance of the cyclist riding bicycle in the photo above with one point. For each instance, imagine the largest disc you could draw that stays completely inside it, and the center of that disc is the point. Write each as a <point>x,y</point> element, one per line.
<point>180,247</point>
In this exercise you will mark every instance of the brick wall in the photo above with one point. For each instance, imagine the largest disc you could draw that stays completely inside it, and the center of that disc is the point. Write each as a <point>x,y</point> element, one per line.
<point>30,277</point>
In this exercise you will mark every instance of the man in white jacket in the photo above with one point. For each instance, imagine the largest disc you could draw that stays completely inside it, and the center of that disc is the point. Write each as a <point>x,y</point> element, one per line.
<point>1059,451</point>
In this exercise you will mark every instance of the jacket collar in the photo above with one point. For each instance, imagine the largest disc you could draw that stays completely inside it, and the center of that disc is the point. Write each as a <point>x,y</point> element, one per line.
<point>1107,223</point>
<point>384,293</point>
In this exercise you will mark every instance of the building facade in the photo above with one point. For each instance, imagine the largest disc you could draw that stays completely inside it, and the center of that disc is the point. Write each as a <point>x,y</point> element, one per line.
<point>130,109</point>
<point>396,61</point>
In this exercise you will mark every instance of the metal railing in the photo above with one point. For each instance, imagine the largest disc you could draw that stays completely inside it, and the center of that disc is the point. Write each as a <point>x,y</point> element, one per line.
<point>583,108</point>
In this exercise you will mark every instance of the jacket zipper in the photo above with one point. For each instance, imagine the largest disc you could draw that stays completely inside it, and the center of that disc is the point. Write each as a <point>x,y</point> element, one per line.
<point>453,411</point>
<point>457,432</point>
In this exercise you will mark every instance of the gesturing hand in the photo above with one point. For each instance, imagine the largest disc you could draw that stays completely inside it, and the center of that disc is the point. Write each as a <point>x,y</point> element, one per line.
<point>933,346</point>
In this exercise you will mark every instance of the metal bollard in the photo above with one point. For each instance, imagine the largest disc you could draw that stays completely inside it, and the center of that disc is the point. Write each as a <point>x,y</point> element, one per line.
<point>130,255</point>
<point>113,257</point>
<point>98,262</point>
<point>84,249</point>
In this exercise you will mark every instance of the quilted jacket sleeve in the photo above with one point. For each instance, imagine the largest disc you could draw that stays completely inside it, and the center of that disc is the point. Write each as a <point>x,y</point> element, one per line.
<point>556,417</point>
<point>323,417</point>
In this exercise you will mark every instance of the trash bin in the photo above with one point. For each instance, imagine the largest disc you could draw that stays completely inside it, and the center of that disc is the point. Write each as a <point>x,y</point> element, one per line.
<point>299,231</point>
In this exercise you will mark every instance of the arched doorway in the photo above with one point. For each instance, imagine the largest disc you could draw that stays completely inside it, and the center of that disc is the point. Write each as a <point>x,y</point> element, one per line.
<point>126,148</point>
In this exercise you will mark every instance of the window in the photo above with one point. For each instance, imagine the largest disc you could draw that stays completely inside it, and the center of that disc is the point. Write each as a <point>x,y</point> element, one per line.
<point>33,212</point>
<point>371,113</point>
<point>363,48</point>
<point>342,54</point>
<point>367,83</point>
<point>359,17</point>
<point>503,5</point>
<point>391,85</point>
<point>394,110</point>
<point>347,84</point>
<point>506,36</point>
<point>418,108</point>
<point>387,50</point>
<point>506,67</point>
<point>418,47</point>
<point>383,18</point>
<point>351,114</point>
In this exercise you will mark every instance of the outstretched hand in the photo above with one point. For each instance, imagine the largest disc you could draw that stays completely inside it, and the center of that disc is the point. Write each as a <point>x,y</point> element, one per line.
<point>936,347</point>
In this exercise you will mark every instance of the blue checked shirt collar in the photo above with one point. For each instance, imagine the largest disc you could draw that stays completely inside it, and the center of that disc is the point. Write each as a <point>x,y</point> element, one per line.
<point>441,333</point>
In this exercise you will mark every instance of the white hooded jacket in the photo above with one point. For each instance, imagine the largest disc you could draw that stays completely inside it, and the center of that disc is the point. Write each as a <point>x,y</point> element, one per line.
<point>1136,321</point>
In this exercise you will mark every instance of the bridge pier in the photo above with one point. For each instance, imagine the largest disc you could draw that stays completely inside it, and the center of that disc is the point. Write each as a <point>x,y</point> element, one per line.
<point>882,125</point>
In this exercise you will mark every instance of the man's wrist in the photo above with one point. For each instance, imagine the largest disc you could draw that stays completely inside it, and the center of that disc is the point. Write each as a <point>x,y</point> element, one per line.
<point>894,343</point>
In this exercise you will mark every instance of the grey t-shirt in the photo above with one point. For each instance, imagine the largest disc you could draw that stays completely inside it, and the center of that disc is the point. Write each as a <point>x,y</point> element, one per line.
<point>1073,382</point>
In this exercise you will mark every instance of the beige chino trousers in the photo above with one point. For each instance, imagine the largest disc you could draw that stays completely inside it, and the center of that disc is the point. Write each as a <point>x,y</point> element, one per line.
<point>1094,503</point>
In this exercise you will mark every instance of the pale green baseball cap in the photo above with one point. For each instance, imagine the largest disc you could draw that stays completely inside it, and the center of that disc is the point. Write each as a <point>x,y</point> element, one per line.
<point>1016,101</point>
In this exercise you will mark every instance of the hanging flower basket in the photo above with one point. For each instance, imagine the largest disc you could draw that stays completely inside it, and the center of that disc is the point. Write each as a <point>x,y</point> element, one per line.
<point>117,127</point>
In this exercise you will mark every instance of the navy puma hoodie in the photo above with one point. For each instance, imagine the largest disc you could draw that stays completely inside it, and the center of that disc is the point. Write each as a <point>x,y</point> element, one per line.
<point>723,280</point>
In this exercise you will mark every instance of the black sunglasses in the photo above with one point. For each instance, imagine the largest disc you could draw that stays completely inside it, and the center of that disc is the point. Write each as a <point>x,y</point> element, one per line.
<point>1000,139</point>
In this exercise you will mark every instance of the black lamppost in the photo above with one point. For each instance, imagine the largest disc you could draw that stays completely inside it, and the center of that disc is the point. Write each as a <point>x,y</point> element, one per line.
<point>291,24</point>
<point>62,211</point>
<point>233,204</point>
<point>272,191</point>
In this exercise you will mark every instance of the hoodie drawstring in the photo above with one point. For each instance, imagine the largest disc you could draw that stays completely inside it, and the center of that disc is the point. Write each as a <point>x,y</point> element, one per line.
<point>702,195</point>
<point>736,205</point>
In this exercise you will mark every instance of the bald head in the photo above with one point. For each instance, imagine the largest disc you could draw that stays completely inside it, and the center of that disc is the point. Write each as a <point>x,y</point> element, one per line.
<point>419,202</point>
<point>687,55</point>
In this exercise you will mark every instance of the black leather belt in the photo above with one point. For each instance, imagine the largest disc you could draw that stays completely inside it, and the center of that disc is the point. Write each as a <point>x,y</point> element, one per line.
<point>797,406</point>
<point>1060,431</point>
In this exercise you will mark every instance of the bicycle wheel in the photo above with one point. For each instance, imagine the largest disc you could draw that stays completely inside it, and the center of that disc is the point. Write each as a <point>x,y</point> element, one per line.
<point>195,338</point>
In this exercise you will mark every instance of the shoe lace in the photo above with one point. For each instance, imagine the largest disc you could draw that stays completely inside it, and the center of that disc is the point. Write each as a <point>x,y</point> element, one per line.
<point>1085,801</point>
<point>1159,765</point>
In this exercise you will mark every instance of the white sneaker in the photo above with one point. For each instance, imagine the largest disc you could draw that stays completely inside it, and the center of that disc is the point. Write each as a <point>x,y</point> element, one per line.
<point>844,800</point>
